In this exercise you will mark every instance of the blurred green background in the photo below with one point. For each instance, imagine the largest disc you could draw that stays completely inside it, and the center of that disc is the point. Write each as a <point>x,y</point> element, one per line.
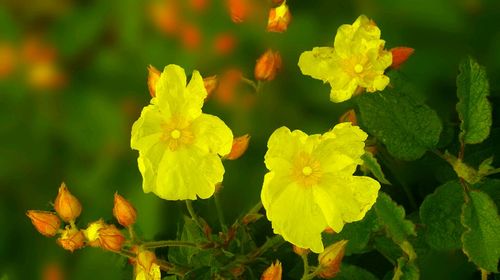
<point>73,80</point>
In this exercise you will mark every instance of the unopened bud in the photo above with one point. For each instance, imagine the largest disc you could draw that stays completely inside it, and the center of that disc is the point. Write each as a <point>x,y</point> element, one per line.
<point>67,206</point>
<point>110,238</point>
<point>240,145</point>
<point>300,251</point>
<point>71,239</point>
<point>123,211</point>
<point>146,267</point>
<point>153,76</point>
<point>400,55</point>
<point>331,258</point>
<point>279,18</point>
<point>267,66</point>
<point>47,223</point>
<point>329,230</point>
<point>273,272</point>
<point>349,116</point>
<point>210,84</point>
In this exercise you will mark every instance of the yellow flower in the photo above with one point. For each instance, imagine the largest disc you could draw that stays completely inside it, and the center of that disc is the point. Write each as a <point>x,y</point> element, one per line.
<point>145,267</point>
<point>358,59</point>
<point>179,146</point>
<point>310,183</point>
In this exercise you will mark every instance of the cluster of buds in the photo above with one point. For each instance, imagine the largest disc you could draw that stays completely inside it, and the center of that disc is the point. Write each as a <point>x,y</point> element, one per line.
<point>98,234</point>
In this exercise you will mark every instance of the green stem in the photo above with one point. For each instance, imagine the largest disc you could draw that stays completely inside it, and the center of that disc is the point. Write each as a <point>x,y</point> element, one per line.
<point>276,240</point>
<point>220,213</point>
<point>168,243</point>
<point>306,266</point>
<point>189,206</point>
<point>256,208</point>
<point>313,274</point>
<point>251,83</point>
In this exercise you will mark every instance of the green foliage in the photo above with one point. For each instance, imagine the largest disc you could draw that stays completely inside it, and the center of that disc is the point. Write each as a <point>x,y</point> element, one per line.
<point>473,107</point>
<point>440,213</point>
<point>371,163</point>
<point>392,217</point>
<point>406,270</point>
<point>407,127</point>
<point>353,272</point>
<point>481,239</point>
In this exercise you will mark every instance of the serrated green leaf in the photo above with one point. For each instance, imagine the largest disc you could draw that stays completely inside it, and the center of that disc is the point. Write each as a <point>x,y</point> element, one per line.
<point>392,217</point>
<point>190,232</point>
<point>387,248</point>
<point>358,234</point>
<point>440,213</point>
<point>473,107</point>
<point>492,188</point>
<point>406,270</point>
<point>408,128</point>
<point>481,238</point>
<point>371,163</point>
<point>352,272</point>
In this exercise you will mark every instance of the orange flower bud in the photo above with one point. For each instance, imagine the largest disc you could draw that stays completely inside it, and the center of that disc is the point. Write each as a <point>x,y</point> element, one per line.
<point>400,55</point>
<point>349,116</point>
<point>47,223</point>
<point>71,239</point>
<point>267,66</point>
<point>153,76</point>
<point>279,18</point>
<point>210,84</point>
<point>146,267</point>
<point>239,10</point>
<point>67,206</point>
<point>124,211</point>
<point>110,238</point>
<point>240,145</point>
<point>371,149</point>
<point>331,258</point>
<point>300,251</point>
<point>329,230</point>
<point>273,272</point>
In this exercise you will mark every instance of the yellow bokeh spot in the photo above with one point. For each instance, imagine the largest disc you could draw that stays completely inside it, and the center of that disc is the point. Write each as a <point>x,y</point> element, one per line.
<point>307,170</point>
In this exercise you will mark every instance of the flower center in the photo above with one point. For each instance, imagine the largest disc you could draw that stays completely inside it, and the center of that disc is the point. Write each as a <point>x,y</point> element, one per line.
<point>358,68</point>
<point>175,134</point>
<point>307,170</point>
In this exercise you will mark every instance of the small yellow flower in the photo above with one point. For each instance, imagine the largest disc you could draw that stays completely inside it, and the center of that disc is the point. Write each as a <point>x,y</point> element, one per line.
<point>179,146</point>
<point>358,59</point>
<point>310,183</point>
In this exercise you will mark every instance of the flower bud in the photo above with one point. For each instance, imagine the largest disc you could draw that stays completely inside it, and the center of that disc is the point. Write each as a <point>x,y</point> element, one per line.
<point>331,258</point>
<point>240,145</point>
<point>110,238</point>
<point>71,239</point>
<point>123,211</point>
<point>300,251</point>
<point>92,233</point>
<point>145,266</point>
<point>267,66</point>
<point>210,84</point>
<point>349,116</point>
<point>329,230</point>
<point>47,223</point>
<point>273,272</point>
<point>67,206</point>
<point>239,10</point>
<point>279,18</point>
<point>153,76</point>
<point>400,55</point>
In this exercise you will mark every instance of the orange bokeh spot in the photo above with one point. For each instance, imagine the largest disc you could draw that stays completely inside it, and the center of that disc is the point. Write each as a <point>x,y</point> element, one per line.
<point>190,36</point>
<point>224,43</point>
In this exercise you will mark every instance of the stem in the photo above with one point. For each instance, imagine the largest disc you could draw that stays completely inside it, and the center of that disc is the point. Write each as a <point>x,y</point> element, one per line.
<point>168,243</point>
<point>251,83</point>
<point>131,234</point>
<point>220,214</point>
<point>256,208</point>
<point>276,240</point>
<point>306,266</point>
<point>484,274</point>
<point>313,274</point>
<point>189,206</point>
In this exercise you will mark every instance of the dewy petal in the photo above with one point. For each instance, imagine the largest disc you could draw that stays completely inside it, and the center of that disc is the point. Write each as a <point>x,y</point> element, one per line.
<point>345,199</point>
<point>293,212</point>
<point>212,134</point>
<point>187,173</point>
<point>147,129</point>
<point>283,146</point>
<point>174,98</point>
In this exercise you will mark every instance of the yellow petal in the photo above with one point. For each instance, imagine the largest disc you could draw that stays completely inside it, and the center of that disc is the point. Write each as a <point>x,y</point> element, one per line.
<point>342,88</point>
<point>283,146</point>
<point>212,135</point>
<point>293,212</point>
<point>321,63</point>
<point>147,129</point>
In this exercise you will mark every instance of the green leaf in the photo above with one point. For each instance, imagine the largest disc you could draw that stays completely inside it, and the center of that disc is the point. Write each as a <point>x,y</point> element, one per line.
<point>485,167</point>
<point>407,127</point>
<point>440,212</point>
<point>473,107</point>
<point>190,232</point>
<point>392,217</point>
<point>371,163</point>
<point>352,272</point>
<point>463,170</point>
<point>406,270</point>
<point>358,234</point>
<point>481,239</point>
<point>492,188</point>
